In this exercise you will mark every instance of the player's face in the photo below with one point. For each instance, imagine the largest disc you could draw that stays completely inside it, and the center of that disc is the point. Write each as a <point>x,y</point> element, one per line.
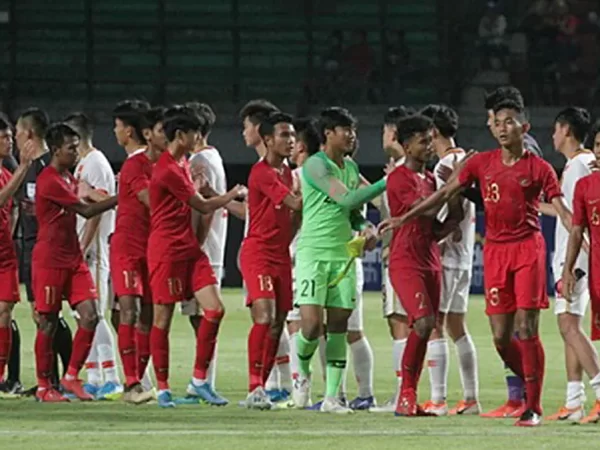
<point>251,136</point>
<point>157,138</point>
<point>22,135</point>
<point>343,138</point>
<point>283,139</point>
<point>597,145</point>
<point>67,153</point>
<point>420,146</point>
<point>298,150</point>
<point>6,142</point>
<point>559,136</point>
<point>187,141</point>
<point>510,127</point>
<point>389,137</point>
<point>121,132</point>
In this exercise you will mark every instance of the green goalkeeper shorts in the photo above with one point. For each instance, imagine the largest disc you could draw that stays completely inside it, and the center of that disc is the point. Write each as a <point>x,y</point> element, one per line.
<point>312,284</point>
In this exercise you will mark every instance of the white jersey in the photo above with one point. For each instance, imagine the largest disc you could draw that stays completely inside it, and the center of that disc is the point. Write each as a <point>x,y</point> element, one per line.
<point>213,169</point>
<point>457,255</point>
<point>576,168</point>
<point>95,170</point>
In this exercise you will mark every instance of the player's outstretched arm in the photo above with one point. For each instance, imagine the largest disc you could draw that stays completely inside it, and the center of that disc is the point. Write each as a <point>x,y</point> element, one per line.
<point>9,190</point>
<point>209,205</point>
<point>88,210</point>
<point>237,208</point>
<point>573,248</point>
<point>456,214</point>
<point>317,175</point>
<point>562,212</point>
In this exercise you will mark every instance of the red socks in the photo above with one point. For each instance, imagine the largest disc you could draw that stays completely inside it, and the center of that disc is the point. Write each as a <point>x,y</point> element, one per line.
<point>533,367</point>
<point>159,347</point>
<point>5,337</point>
<point>412,361</point>
<point>142,341</point>
<point>127,350</point>
<point>512,357</point>
<point>82,343</point>
<point>269,354</point>
<point>44,357</point>
<point>206,340</point>
<point>256,349</point>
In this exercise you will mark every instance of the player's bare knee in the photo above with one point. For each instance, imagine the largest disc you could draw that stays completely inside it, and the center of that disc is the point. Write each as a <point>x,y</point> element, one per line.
<point>47,323</point>
<point>5,314</point>
<point>88,319</point>
<point>569,326</point>
<point>399,328</point>
<point>128,316</point>
<point>424,326</point>
<point>455,326</point>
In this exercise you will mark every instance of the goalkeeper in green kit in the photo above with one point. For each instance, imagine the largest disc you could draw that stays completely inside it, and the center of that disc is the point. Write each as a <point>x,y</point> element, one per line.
<point>325,273</point>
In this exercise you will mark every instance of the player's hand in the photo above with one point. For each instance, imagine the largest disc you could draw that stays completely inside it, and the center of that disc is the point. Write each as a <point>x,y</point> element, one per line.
<point>389,224</point>
<point>389,167</point>
<point>594,165</point>
<point>26,153</point>
<point>568,285</point>
<point>84,190</point>
<point>370,234</point>
<point>457,166</point>
<point>239,191</point>
<point>457,235</point>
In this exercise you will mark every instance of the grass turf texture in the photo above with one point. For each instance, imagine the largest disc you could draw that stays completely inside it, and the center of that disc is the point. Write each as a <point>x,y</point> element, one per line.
<point>115,425</point>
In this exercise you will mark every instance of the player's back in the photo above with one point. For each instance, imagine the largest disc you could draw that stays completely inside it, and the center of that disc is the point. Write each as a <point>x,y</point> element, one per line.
<point>214,170</point>
<point>171,235</point>
<point>326,225</point>
<point>413,245</point>
<point>511,194</point>
<point>7,247</point>
<point>132,227</point>
<point>457,255</point>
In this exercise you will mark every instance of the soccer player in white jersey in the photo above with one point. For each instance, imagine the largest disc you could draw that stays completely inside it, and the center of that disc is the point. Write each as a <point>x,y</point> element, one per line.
<point>211,229</point>
<point>393,311</point>
<point>570,130</point>
<point>94,169</point>
<point>457,265</point>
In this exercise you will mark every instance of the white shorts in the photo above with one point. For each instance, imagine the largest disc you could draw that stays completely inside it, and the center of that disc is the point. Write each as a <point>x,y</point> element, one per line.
<point>391,302</point>
<point>581,299</point>
<point>456,284</point>
<point>355,321</point>
<point>101,276</point>
<point>190,307</point>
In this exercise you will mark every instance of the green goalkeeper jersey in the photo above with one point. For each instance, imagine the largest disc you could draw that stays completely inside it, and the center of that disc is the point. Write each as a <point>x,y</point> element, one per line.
<point>331,197</point>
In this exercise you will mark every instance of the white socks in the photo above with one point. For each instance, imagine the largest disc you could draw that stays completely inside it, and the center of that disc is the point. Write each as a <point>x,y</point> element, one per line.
<point>397,353</point>
<point>362,361</point>
<point>283,361</point>
<point>211,375</point>
<point>467,361</point>
<point>147,378</point>
<point>92,366</point>
<point>595,384</point>
<point>575,394</point>
<point>105,344</point>
<point>294,355</point>
<point>437,360</point>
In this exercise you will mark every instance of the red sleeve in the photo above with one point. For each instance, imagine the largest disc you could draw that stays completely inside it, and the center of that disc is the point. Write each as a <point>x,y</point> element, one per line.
<point>267,181</point>
<point>470,173</point>
<point>579,213</point>
<point>55,190</point>
<point>177,184</point>
<point>549,180</point>
<point>138,179</point>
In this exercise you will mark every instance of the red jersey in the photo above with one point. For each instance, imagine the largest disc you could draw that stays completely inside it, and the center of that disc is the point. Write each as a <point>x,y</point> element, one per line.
<point>586,213</point>
<point>132,226</point>
<point>414,245</point>
<point>8,260</point>
<point>510,193</point>
<point>57,244</point>
<point>270,221</point>
<point>171,235</point>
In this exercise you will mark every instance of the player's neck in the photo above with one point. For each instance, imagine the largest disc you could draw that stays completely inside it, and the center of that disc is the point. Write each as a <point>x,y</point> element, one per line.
<point>40,148</point>
<point>60,169</point>
<point>415,165</point>
<point>274,160</point>
<point>300,161</point>
<point>177,152</point>
<point>132,146</point>
<point>510,155</point>
<point>85,149</point>
<point>570,148</point>
<point>442,145</point>
<point>202,145</point>
<point>261,150</point>
<point>152,153</point>
<point>337,156</point>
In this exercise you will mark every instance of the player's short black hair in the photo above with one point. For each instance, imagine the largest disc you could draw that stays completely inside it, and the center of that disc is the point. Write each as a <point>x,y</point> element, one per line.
<point>412,125</point>
<point>444,118</point>
<point>206,114</point>
<point>257,110</point>
<point>153,116</point>
<point>307,132</point>
<point>132,114</point>
<point>5,123</point>
<point>503,93</point>
<point>333,117</point>
<point>82,124</point>
<point>395,113</point>
<point>578,120</point>
<point>267,126</point>
<point>186,120</point>
<point>37,119</point>
<point>57,133</point>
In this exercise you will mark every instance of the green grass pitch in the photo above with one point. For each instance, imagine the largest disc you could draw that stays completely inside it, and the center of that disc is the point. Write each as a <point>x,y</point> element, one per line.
<point>114,425</point>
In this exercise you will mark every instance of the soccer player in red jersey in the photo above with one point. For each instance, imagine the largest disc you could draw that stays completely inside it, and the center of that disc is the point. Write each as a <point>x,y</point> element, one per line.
<point>265,257</point>
<point>59,270</point>
<point>586,216</point>
<point>178,267</point>
<point>415,264</point>
<point>129,266</point>
<point>511,181</point>
<point>9,274</point>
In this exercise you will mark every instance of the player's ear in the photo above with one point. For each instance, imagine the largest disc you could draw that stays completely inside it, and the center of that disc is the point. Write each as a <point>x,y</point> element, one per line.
<point>147,134</point>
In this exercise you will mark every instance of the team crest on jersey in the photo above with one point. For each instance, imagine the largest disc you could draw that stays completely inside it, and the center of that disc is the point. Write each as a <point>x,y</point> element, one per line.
<point>525,182</point>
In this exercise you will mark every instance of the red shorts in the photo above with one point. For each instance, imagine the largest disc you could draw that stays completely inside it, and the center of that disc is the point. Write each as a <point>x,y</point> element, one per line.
<point>270,280</point>
<point>176,281</point>
<point>515,275</point>
<point>130,277</point>
<point>50,286</point>
<point>419,291</point>
<point>9,286</point>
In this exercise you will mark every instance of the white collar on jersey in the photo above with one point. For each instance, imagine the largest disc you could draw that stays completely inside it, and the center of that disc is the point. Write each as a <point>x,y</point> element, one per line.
<point>137,152</point>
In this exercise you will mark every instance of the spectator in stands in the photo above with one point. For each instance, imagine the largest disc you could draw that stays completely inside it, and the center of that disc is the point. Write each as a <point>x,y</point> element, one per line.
<point>492,29</point>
